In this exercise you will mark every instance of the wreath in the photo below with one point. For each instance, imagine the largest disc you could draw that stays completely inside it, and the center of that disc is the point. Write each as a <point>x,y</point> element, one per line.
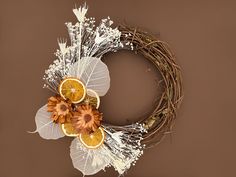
<point>78,78</point>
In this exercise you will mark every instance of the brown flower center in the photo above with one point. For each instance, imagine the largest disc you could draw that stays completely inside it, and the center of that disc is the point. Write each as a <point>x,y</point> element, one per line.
<point>87,118</point>
<point>63,107</point>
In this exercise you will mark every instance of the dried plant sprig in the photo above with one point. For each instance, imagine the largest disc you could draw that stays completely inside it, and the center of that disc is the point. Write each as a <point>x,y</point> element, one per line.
<point>86,41</point>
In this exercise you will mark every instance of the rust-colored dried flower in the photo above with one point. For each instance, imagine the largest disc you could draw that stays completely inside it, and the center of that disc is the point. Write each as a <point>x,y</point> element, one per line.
<point>61,110</point>
<point>86,119</point>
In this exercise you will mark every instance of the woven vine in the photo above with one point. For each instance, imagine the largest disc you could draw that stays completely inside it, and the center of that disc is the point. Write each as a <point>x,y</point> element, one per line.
<point>160,121</point>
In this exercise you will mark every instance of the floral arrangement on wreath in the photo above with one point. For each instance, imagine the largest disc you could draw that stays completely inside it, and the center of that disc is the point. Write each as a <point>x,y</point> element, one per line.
<point>78,78</point>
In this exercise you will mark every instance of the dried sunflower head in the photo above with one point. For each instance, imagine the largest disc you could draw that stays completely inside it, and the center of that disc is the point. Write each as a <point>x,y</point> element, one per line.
<point>61,110</point>
<point>86,119</point>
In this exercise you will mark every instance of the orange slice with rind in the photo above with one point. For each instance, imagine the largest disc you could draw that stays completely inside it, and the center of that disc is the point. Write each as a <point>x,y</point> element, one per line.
<point>69,130</point>
<point>93,140</point>
<point>72,89</point>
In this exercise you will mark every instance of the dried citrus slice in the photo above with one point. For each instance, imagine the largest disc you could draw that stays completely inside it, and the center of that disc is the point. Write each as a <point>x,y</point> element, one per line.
<point>93,140</point>
<point>69,130</point>
<point>72,89</point>
<point>92,98</point>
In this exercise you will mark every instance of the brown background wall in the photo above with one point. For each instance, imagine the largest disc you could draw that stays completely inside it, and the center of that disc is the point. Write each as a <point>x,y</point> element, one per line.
<point>201,33</point>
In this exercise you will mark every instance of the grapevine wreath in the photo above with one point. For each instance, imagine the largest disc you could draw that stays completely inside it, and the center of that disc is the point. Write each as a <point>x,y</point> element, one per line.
<point>78,77</point>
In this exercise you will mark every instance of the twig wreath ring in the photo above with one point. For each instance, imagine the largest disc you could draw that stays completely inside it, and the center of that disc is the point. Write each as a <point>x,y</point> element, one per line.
<point>78,78</point>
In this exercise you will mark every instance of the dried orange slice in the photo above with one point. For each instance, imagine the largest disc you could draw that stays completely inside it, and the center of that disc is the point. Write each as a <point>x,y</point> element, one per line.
<point>69,130</point>
<point>72,89</point>
<point>93,140</point>
<point>92,98</point>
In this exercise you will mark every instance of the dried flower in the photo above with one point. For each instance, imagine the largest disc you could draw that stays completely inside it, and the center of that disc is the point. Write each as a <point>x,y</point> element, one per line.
<point>80,12</point>
<point>86,119</point>
<point>61,110</point>
<point>62,46</point>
